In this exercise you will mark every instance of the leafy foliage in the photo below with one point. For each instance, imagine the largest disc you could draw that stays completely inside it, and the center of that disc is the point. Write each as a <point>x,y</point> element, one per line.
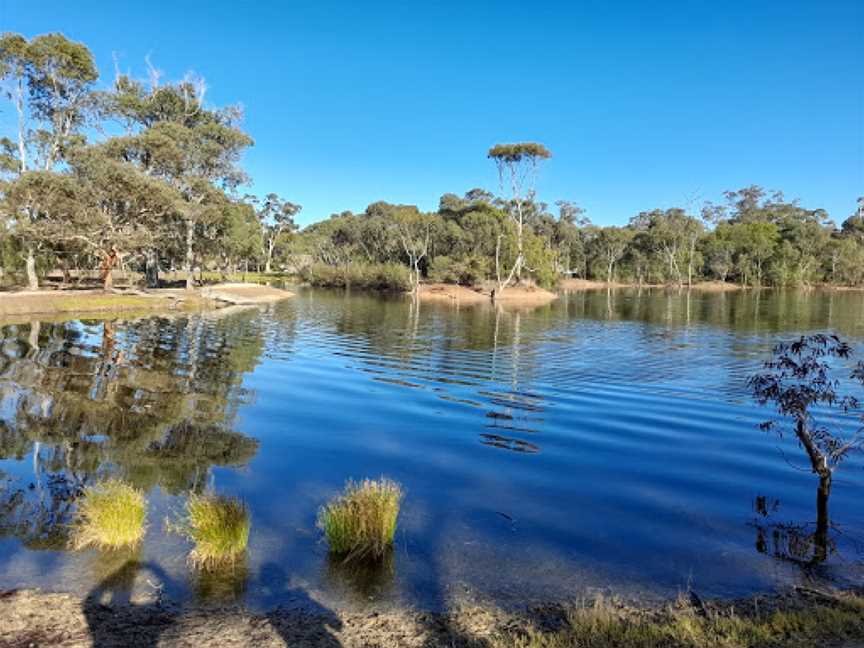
<point>798,379</point>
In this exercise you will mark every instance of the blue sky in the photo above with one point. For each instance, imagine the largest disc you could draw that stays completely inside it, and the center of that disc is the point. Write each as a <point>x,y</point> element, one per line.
<point>643,104</point>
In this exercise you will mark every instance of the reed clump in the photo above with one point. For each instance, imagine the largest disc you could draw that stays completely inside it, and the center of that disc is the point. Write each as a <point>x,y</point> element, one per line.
<point>361,522</point>
<point>110,515</point>
<point>219,528</point>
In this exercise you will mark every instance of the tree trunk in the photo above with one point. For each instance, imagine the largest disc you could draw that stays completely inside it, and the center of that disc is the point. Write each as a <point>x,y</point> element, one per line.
<point>151,269</point>
<point>30,264</point>
<point>106,269</point>
<point>270,245</point>
<point>190,255</point>
<point>22,126</point>
<point>820,538</point>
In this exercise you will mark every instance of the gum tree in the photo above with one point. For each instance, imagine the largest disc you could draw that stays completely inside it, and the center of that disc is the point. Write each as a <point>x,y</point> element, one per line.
<point>797,381</point>
<point>276,217</point>
<point>193,148</point>
<point>518,165</point>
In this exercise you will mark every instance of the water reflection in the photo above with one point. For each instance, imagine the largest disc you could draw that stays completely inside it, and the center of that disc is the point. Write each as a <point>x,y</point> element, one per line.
<point>224,585</point>
<point>150,401</point>
<point>361,580</point>
<point>803,543</point>
<point>629,407</point>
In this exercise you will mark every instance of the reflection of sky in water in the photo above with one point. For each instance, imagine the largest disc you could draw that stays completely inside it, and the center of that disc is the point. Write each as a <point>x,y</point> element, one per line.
<point>603,441</point>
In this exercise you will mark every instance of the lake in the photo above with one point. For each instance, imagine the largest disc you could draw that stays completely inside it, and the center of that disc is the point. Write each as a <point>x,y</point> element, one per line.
<point>603,443</point>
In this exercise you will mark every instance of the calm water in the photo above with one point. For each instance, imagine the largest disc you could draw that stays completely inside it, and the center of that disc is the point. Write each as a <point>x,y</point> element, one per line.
<point>605,442</point>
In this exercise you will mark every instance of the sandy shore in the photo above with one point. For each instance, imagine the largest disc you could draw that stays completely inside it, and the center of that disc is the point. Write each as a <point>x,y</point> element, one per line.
<point>799,618</point>
<point>54,302</point>
<point>462,295</point>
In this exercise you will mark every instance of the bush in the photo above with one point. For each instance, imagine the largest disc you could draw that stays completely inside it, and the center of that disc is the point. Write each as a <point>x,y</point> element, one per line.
<point>466,272</point>
<point>361,522</point>
<point>383,276</point>
<point>110,516</point>
<point>219,527</point>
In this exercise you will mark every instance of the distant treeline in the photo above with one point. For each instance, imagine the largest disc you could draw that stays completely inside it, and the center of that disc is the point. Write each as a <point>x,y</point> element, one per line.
<point>753,238</point>
<point>145,176</point>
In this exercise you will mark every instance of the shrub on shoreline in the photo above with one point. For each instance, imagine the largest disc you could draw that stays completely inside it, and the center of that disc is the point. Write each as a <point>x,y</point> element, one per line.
<point>384,276</point>
<point>219,528</point>
<point>110,516</point>
<point>361,522</point>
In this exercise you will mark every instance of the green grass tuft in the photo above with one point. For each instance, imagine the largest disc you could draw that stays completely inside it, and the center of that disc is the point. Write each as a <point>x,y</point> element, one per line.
<point>361,522</point>
<point>110,516</point>
<point>219,527</point>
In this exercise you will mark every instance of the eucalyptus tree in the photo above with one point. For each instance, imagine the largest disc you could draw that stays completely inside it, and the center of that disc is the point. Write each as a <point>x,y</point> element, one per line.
<point>853,227</point>
<point>15,62</point>
<point>194,148</point>
<point>103,207</point>
<point>49,80</point>
<point>276,218</point>
<point>610,246</point>
<point>518,166</point>
<point>60,80</point>
<point>413,230</point>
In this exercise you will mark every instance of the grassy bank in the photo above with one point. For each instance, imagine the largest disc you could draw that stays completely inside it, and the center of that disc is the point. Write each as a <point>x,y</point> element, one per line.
<point>87,301</point>
<point>832,620</point>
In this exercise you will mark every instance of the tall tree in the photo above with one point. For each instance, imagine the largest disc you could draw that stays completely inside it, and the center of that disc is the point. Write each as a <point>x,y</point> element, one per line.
<point>194,148</point>
<point>518,166</point>
<point>276,217</point>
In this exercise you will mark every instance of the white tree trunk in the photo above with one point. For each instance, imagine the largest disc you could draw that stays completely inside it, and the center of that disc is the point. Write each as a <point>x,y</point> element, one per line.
<point>22,126</point>
<point>190,254</point>
<point>30,264</point>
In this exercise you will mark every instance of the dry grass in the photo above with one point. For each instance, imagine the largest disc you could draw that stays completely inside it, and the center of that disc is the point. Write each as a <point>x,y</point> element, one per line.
<point>219,528</point>
<point>110,516</point>
<point>604,626</point>
<point>361,522</point>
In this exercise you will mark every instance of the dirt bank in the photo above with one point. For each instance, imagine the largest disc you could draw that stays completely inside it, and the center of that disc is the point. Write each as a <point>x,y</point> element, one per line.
<point>461,295</point>
<point>796,619</point>
<point>52,302</point>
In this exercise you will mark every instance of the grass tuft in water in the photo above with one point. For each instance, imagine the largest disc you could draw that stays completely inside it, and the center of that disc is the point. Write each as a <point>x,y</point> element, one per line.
<point>219,528</point>
<point>361,522</point>
<point>110,516</point>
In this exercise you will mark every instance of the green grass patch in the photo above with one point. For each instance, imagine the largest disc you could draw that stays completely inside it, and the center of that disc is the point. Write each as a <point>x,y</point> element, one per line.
<point>219,528</point>
<point>361,522</point>
<point>603,626</point>
<point>110,516</point>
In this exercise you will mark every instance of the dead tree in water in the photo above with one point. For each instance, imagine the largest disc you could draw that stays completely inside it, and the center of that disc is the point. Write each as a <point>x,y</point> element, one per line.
<point>796,380</point>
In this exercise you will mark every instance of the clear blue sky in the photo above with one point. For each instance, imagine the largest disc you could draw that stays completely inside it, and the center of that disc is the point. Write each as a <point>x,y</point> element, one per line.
<point>642,104</point>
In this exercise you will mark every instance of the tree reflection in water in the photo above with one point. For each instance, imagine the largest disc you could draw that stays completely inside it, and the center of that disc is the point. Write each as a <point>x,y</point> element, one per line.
<point>152,402</point>
<point>804,544</point>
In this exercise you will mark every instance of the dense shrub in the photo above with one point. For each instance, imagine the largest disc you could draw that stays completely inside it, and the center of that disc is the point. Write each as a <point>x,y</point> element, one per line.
<point>384,276</point>
<point>468,272</point>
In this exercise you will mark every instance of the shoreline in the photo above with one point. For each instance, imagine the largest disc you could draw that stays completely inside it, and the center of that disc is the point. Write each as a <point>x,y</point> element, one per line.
<point>575,285</point>
<point>96,301</point>
<point>795,618</point>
